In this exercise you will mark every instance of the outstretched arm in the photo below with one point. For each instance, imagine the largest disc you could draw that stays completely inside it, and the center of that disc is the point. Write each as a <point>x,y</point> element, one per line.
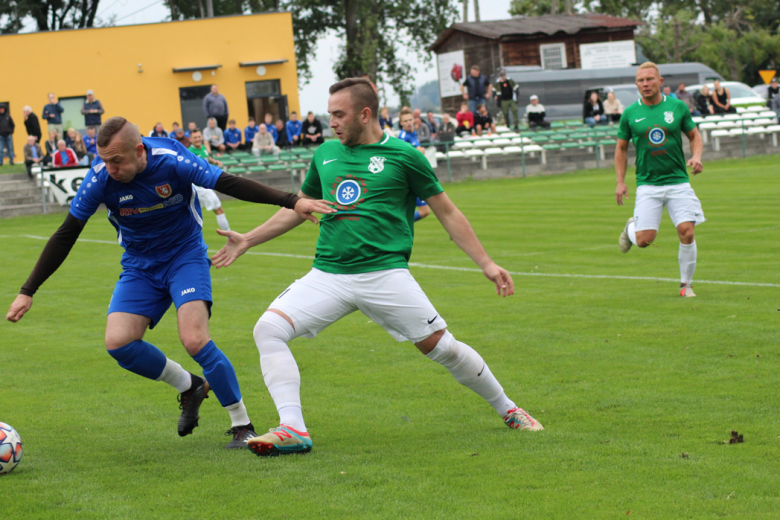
<point>55,252</point>
<point>462,233</point>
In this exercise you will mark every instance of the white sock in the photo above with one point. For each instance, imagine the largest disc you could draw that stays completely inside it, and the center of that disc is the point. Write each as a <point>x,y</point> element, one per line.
<point>238,415</point>
<point>176,376</point>
<point>687,259</point>
<point>222,222</point>
<point>280,371</point>
<point>470,370</point>
<point>632,233</point>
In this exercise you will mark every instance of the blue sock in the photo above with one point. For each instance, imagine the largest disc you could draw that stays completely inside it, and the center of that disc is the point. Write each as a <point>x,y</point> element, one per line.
<point>219,373</point>
<point>416,216</point>
<point>141,358</point>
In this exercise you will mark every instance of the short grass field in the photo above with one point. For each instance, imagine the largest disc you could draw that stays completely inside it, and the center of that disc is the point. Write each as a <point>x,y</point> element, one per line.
<point>637,388</point>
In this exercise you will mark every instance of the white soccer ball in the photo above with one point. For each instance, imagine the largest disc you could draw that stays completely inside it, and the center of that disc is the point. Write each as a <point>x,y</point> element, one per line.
<point>10,448</point>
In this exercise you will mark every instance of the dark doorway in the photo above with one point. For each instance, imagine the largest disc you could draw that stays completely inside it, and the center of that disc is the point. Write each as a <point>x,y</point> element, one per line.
<point>191,99</point>
<point>265,97</point>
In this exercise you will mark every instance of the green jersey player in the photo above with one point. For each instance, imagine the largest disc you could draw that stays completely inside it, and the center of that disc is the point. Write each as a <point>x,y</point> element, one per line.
<point>363,249</point>
<point>655,124</point>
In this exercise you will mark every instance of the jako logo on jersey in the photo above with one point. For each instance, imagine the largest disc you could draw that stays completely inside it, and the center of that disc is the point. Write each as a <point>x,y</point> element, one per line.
<point>188,291</point>
<point>164,191</point>
<point>657,136</point>
<point>376,165</point>
<point>669,117</point>
<point>348,192</point>
<point>125,198</point>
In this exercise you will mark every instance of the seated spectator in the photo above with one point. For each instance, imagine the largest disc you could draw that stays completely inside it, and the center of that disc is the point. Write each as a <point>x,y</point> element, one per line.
<point>33,154</point>
<point>667,90</point>
<point>773,97</point>
<point>293,129</point>
<point>423,131</point>
<point>702,100</point>
<point>80,149</point>
<point>613,108</point>
<point>281,132</point>
<point>214,138</point>
<point>158,131</point>
<point>263,143</point>
<point>64,156</point>
<point>232,137</point>
<point>190,127</point>
<point>446,132</point>
<point>385,121</point>
<point>432,124</point>
<point>90,143</point>
<point>483,121</point>
<point>312,131</point>
<point>593,111</point>
<point>535,114</point>
<point>172,133</point>
<point>407,132</point>
<point>50,146</point>
<point>198,147</point>
<point>269,126</point>
<point>465,120</point>
<point>721,99</point>
<point>686,97</point>
<point>182,138</point>
<point>70,136</point>
<point>249,132</point>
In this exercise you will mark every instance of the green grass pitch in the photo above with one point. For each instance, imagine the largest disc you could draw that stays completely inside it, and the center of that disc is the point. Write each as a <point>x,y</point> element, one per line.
<point>637,387</point>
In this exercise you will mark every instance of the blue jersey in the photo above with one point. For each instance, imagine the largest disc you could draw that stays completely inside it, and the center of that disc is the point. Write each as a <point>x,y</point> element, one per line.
<point>273,131</point>
<point>409,137</point>
<point>293,128</point>
<point>90,143</point>
<point>249,133</point>
<point>157,214</point>
<point>233,135</point>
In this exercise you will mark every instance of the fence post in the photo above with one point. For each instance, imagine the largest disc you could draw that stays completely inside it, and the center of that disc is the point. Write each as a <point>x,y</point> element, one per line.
<point>522,152</point>
<point>449,168</point>
<point>744,146</point>
<point>43,187</point>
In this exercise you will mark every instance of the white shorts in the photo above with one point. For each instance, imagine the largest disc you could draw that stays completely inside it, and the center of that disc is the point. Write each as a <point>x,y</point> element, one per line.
<point>208,199</point>
<point>391,298</point>
<point>679,199</point>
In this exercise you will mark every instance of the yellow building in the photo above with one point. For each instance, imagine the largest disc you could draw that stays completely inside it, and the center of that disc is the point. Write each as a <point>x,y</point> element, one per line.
<point>153,73</point>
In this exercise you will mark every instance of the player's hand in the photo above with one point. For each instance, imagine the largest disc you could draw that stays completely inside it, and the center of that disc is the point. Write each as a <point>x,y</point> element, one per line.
<point>219,164</point>
<point>621,192</point>
<point>236,246</point>
<point>501,277</point>
<point>305,207</point>
<point>19,308</point>
<point>695,164</point>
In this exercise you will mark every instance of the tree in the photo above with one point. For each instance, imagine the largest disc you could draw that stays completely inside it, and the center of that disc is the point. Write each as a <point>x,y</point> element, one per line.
<point>49,15</point>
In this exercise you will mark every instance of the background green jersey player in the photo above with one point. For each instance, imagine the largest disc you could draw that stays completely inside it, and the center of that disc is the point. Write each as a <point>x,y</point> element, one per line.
<point>655,124</point>
<point>373,180</point>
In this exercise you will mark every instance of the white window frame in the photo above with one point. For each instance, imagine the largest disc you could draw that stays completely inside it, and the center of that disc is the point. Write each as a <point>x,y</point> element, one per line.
<point>561,46</point>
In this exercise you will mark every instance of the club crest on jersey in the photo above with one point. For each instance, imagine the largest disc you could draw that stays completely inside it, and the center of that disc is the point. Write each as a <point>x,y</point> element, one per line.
<point>164,191</point>
<point>376,165</point>
<point>669,117</point>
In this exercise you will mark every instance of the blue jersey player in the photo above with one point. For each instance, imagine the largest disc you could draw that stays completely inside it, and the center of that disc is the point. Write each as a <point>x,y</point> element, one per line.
<point>146,184</point>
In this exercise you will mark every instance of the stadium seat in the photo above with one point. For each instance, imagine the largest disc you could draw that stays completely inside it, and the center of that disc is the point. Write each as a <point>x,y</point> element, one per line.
<point>521,140</point>
<point>482,143</point>
<point>502,128</point>
<point>277,167</point>
<point>299,149</point>
<point>474,153</point>
<point>755,108</point>
<point>298,165</point>
<point>503,141</point>
<point>248,160</point>
<point>256,168</point>
<point>269,159</point>
<point>510,135</point>
<point>731,116</point>
<point>237,170</point>
<point>559,137</point>
<point>557,124</point>
<point>737,131</point>
<point>764,121</point>
<point>551,147</point>
<point>456,154</point>
<point>697,119</point>
<point>531,148</point>
<point>569,146</point>
<point>287,157</point>
<point>494,151</point>
<point>441,155</point>
<point>540,139</point>
<point>513,149</point>
<point>306,156</point>
<point>229,162</point>
<point>741,110</point>
<point>768,113</point>
<point>756,130</point>
<point>463,144</point>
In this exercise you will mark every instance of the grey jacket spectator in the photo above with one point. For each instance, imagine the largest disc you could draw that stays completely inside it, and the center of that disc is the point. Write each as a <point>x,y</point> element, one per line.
<point>215,105</point>
<point>446,130</point>
<point>33,154</point>
<point>32,124</point>
<point>423,131</point>
<point>92,110</point>
<point>214,138</point>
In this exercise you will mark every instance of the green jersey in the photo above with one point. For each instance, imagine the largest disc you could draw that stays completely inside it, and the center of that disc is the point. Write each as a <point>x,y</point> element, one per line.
<point>656,132</point>
<point>200,152</point>
<point>375,187</point>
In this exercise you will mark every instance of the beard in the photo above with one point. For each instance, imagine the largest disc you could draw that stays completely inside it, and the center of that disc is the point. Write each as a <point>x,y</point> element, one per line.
<point>353,132</point>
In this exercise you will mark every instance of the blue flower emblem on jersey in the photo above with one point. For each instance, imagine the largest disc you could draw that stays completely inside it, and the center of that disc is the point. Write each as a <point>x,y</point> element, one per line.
<point>348,192</point>
<point>657,136</point>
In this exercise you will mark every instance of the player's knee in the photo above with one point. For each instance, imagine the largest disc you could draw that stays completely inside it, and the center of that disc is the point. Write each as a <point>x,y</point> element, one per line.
<point>193,341</point>
<point>428,344</point>
<point>271,329</point>
<point>686,234</point>
<point>645,238</point>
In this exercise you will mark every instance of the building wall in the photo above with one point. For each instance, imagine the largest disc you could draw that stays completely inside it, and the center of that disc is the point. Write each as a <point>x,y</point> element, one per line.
<point>476,51</point>
<point>106,60</point>
<point>525,51</point>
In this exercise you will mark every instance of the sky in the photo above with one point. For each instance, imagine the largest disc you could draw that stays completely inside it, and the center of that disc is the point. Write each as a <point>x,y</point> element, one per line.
<point>313,96</point>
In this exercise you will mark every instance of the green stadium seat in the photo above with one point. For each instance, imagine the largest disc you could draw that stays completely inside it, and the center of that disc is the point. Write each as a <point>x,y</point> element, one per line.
<point>540,139</point>
<point>308,156</point>
<point>299,149</point>
<point>268,159</point>
<point>248,160</point>
<point>256,168</point>
<point>277,167</point>
<point>298,165</point>
<point>567,146</point>
<point>557,124</point>
<point>547,132</point>
<point>551,146</point>
<point>287,157</point>
<point>559,137</point>
<point>608,142</point>
<point>237,170</point>
<point>239,155</point>
<point>588,143</point>
<point>229,162</point>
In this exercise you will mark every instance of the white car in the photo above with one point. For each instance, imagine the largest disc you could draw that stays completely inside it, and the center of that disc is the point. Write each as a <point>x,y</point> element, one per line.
<point>741,94</point>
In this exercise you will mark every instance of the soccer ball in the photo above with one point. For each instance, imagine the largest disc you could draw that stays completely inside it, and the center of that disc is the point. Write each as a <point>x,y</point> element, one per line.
<point>10,448</point>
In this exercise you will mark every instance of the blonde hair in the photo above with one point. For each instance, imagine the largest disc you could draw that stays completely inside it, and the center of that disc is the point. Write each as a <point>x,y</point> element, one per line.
<point>649,65</point>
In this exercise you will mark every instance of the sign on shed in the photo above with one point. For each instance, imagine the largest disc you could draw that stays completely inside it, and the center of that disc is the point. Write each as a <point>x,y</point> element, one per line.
<point>608,54</point>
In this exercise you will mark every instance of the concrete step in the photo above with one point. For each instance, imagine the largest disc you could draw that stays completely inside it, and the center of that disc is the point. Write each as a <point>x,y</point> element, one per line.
<point>15,184</point>
<point>20,192</point>
<point>13,199</point>
<point>29,209</point>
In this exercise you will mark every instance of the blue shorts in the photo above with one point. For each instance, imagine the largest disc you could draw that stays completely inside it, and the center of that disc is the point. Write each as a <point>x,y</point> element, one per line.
<point>150,292</point>
<point>421,202</point>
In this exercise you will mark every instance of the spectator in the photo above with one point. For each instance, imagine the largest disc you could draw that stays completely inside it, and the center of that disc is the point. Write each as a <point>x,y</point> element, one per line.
<point>199,148</point>
<point>32,154</point>
<point>312,133</point>
<point>7,127</point>
<point>64,156</point>
<point>269,126</point>
<point>213,137</point>
<point>668,92</point>
<point>483,121</point>
<point>773,97</point>
<point>702,100</point>
<point>446,132</point>
<point>31,124</point>
<point>215,105</point>
<point>70,137</point>
<point>263,143</point>
<point>475,88</point>
<point>721,99</point>
<point>172,133</point>
<point>281,132</point>
<point>294,130</point>
<point>50,146</point>
<point>92,110</point>
<point>80,149</point>
<point>249,132</point>
<point>158,131</point>
<point>407,132</point>
<point>190,127</point>
<point>90,143</point>
<point>432,124</point>
<point>52,113</point>
<point>182,137</point>
<point>613,108</point>
<point>232,137</point>
<point>686,97</point>
<point>505,95</point>
<point>423,131</point>
<point>593,111</point>
<point>465,119</point>
<point>385,121</point>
